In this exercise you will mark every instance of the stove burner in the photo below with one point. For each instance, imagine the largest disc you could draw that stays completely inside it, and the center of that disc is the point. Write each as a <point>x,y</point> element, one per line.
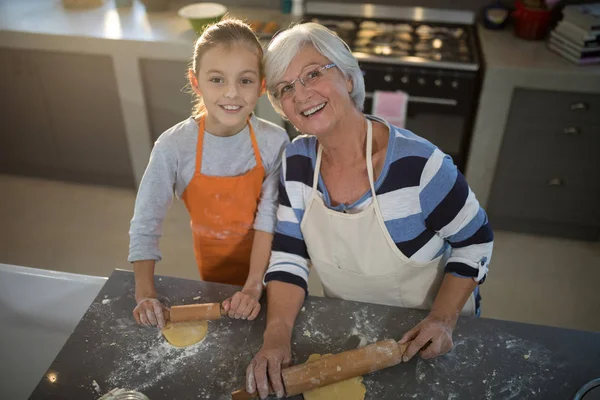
<point>423,29</point>
<point>404,28</point>
<point>405,37</point>
<point>383,39</point>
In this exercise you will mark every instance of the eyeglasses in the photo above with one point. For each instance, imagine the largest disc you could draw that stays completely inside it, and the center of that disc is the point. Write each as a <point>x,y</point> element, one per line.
<point>308,79</point>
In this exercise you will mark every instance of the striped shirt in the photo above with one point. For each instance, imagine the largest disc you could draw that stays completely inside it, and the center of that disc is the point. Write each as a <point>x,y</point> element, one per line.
<point>426,203</point>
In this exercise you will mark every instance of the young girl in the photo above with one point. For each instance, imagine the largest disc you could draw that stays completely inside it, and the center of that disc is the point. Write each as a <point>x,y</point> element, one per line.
<point>224,163</point>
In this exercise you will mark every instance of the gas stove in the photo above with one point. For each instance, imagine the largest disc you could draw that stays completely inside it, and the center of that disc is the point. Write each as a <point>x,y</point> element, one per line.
<point>430,43</point>
<point>431,54</point>
<point>403,41</point>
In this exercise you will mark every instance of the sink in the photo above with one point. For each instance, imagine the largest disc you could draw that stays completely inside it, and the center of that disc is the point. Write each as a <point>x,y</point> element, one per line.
<point>39,309</point>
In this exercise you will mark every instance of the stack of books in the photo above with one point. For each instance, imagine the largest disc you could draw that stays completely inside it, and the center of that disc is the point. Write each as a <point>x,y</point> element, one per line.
<point>577,36</point>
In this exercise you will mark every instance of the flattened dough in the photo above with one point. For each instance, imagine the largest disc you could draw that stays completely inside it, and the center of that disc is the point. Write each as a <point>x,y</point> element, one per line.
<point>183,334</point>
<point>351,389</point>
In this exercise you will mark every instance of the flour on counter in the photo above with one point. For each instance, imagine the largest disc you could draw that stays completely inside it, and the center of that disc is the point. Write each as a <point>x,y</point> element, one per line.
<point>150,366</point>
<point>454,374</point>
<point>367,328</point>
<point>96,387</point>
<point>106,301</point>
<point>150,361</point>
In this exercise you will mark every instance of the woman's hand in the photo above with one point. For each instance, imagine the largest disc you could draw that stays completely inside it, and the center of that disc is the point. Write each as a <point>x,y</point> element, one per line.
<point>434,333</point>
<point>244,304</point>
<point>150,312</point>
<point>264,371</point>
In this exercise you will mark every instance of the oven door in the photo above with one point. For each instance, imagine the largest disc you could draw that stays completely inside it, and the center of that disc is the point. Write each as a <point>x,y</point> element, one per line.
<point>436,120</point>
<point>440,105</point>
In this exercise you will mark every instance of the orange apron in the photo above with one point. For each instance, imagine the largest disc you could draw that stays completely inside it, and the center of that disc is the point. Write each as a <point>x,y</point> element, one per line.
<point>222,211</point>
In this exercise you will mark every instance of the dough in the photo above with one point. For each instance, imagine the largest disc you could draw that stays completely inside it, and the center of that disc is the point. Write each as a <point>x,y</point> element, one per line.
<point>183,334</point>
<point>351,389</point>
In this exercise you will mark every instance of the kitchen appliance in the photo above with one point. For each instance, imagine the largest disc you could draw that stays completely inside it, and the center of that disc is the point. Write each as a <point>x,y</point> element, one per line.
<point>431,54</point>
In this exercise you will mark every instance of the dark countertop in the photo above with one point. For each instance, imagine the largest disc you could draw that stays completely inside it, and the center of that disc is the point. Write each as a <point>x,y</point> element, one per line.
<point>492,359</point>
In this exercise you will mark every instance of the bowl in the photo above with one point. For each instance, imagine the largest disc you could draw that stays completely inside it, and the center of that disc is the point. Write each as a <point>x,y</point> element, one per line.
<point>202,14</point>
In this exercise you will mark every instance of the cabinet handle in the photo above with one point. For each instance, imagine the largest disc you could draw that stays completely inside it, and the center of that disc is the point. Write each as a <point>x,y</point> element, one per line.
<point>581,106</point>
<point>572,131</point>
<point>556,182</point>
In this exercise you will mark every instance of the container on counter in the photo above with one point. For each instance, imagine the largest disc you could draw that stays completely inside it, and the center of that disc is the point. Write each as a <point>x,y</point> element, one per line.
<point>201,15</point>
<point>495,16</point>
<point>286,6</point>
<point>532,19</point>
<point>297,8</point>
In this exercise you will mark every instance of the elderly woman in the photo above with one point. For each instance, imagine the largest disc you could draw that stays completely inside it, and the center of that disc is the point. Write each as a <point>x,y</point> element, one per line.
<point>383,215</point>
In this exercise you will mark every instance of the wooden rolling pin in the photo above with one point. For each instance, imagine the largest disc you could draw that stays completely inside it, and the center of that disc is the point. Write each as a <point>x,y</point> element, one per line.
<point>196,312</point>
<point>336,368</point>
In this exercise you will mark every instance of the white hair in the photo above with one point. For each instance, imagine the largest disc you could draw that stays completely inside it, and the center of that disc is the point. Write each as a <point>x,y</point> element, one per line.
<point>284,47</point>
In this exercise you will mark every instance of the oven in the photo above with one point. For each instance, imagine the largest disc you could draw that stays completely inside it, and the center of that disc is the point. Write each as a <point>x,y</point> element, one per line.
<point>430,54</point>
<point>441,103</point>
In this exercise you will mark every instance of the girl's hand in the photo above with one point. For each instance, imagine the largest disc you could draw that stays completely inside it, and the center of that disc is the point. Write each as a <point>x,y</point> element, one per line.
<point>244,304</point>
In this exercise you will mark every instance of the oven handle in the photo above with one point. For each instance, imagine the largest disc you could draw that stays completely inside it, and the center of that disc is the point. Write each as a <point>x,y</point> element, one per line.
<point>424,100</point>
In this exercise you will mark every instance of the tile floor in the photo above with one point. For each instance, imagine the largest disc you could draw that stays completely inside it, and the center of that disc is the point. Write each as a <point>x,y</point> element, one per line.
<point>83,229</point>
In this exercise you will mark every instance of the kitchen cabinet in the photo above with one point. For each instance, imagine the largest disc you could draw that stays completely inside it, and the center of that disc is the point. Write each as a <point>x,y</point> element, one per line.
<point>168,97</point>
<point>26,142</point>
<point>64,118</point>
<point>548,174</point>
<point>84,107</point>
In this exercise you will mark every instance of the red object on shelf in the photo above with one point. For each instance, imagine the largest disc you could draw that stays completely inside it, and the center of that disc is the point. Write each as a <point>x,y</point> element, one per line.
<point>530,23</point>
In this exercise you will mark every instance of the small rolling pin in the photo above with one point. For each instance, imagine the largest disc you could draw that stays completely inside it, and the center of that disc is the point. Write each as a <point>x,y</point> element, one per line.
<point>196,312</point>
<point>336,368</point>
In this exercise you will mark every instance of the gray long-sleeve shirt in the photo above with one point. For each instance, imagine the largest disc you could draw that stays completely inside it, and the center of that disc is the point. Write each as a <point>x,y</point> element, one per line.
<point>171,168</point>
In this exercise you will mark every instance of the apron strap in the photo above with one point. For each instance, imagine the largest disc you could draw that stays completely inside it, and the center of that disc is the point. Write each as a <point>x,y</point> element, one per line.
<point>369,158</point>
<point>200,145</point>
<point>259,162</point>
<point>317,169</point>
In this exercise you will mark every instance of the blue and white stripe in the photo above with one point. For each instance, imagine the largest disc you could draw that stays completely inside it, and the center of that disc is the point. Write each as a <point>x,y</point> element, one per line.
<point>426,204</point>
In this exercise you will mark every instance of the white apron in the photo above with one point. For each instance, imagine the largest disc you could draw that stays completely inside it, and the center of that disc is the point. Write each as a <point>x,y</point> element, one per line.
<point>357,259</point>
